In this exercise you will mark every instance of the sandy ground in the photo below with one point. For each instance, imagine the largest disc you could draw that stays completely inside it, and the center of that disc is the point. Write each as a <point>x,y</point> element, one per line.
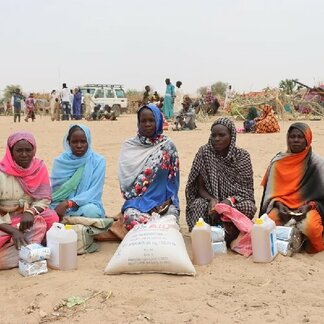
<point>232,289</point>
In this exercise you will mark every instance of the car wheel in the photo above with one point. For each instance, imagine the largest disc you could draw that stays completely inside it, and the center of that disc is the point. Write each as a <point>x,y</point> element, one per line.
<point>116,109</point>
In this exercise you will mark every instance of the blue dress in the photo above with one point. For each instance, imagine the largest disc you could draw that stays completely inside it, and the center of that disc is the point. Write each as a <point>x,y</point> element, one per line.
<point>77,106</point>
<point>168,101</point>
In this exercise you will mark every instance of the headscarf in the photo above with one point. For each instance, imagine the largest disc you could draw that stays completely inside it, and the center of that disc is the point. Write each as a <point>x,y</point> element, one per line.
<point>157,117</point>
<point>65,165</point>
<point>307,132</point>
<point>267,109</point>
<point>139,148</point>
<point>34,180</point>
<point>230,157</point>
<point>252,113</point>
<point>140,160</point>
<point>294,178</point>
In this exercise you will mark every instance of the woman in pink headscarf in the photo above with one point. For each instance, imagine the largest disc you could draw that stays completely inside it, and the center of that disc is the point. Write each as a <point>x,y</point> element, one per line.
<point>25,195</point>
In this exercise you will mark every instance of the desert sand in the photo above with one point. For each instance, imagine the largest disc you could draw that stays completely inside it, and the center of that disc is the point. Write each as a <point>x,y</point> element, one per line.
<point>232,289</point>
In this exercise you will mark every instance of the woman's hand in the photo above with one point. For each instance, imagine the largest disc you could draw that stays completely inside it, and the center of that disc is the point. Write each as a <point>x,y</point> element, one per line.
<point>18,238</point>
<point>303,210</point>
<point>213,215</point>
<point>284,212</point>
<point>61,209</point>
<point>26,221</point>
<point>162,209</point>
<point>211,206</point>
<point>227,202</point>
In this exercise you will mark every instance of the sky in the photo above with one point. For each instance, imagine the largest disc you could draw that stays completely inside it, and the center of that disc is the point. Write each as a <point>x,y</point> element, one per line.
<point>248,44</point>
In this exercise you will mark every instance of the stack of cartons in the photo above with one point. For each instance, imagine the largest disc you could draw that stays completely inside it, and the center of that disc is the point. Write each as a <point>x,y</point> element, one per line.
<point>33,259</point>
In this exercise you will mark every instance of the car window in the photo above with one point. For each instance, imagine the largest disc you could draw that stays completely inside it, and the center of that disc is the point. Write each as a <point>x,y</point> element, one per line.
<point>120,93</point>
<point>109,93</point>
<point>99,93</point>
<point>84,91</point>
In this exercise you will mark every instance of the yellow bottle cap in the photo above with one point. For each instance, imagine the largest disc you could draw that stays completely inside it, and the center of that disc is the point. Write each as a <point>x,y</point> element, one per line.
<point>68,226</point>
<point>259,221</point>
<point>200,222</point>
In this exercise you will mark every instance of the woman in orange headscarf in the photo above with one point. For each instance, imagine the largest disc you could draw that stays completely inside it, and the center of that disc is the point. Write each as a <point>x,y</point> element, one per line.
<point>294,187</point>
<point>267,122</point>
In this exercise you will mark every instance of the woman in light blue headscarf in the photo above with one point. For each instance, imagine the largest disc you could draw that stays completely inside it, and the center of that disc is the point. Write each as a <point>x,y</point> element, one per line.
<point>78,177</point>
<point>148,170</point>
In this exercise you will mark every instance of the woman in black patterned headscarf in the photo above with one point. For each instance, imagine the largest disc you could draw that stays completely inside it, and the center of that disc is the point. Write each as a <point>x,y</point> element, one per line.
<point>220,172</point>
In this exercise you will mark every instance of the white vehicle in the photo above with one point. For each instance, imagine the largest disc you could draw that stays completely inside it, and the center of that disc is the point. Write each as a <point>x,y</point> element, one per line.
<point>112,95</point>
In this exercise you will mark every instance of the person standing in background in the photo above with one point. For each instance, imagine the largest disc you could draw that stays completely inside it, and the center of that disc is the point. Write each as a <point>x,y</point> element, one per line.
<point>53,96</point>
<point>229,94</point>
<point>16,100</point>
<point>8,108</point>
<point>88,102</point>
<point>77,104</point>
<point>57,110</point>
<point>30,108</point>
<point>178,97</point>
<point>71,104</point>
<point>168,99</point>
<point>65,101</point>
<point>146,95</point>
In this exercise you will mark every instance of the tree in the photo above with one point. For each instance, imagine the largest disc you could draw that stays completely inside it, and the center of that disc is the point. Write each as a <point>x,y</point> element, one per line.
<point>287,86</point>
<point>202,91</point>
<point>219,89</point>
<point>9,91</point>
<point>133,93</point>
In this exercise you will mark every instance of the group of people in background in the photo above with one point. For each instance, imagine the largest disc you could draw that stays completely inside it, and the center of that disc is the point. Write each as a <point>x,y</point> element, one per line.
<point>180,109</point>
<point>66,104</point>
<point>265,122</point>
<point>176,107</point>
<point>17,101</point>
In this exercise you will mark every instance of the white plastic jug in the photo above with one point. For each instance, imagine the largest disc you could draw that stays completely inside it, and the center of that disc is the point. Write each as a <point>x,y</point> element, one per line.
<point>62,241</point>
<point>201,239</point>
<point>264,240</point>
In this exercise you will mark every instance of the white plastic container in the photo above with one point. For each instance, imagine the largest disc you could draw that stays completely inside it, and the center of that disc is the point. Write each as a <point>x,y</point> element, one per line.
<point>264,240</point>
<point>62,241</point>
<point>201,240</point>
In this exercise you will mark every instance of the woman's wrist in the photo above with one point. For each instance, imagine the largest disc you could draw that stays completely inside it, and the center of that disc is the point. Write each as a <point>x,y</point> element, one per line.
<point>232,200</point>
<point>276,204</point>
<point>312,205</point>
<point>70,204</point>
<point>36,210</point>
<point>30,211</point>
<point>9,229</point>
